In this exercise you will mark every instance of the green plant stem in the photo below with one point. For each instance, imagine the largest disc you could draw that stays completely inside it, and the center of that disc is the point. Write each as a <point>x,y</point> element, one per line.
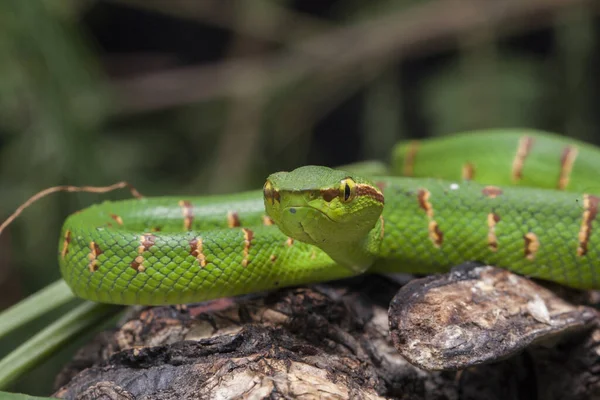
<point>43,301</point>
<point>40,346</point>
<point>19,396</point>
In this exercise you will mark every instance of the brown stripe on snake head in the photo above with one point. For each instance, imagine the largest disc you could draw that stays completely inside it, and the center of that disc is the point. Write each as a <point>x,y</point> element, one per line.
<point>567,159</point>
<point>136,264</point>
<point>147,240</point>
<point>532,245</point>
<point>491,191</point>
<point>233,219</point>
<point>196,248</point>
<point>117,218</point>
<point>188,214</point>
<point>468,171</point>
<point>523,150</point>
<point>409,160</point>
<point>65,249</point>
<point>248,236</point>
<point>95,251</point>
<point>361,190</point>
<point>368,190</point>
<point>329,194</point>
<point>492,220</point>
<point>267,221</point>
<point>590,210</point>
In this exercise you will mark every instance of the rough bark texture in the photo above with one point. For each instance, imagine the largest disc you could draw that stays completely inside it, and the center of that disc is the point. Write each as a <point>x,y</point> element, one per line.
<point>478,314</point>
<point>328,341</point>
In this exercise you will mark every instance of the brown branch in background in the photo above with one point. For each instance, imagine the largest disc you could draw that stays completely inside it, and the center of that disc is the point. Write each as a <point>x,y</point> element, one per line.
<point>239,140</point>
<point>420,30</point>
<point>87,189</point>
<point>300,112</point>
<point>478,58</point>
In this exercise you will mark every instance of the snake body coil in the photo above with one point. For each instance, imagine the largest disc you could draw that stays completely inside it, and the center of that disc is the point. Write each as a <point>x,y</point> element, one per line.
<point>177,250</point>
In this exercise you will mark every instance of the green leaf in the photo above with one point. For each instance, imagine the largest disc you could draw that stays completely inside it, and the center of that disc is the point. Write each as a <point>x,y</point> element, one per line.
<point>47,299</point>
<point>39,347</point>
<point>19,396</point>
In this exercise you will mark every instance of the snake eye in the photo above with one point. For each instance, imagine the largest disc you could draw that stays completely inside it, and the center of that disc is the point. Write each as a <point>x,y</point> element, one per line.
<point>347,190</point>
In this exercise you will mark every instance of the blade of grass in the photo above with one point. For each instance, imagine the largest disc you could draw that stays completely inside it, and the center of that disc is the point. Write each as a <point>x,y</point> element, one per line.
<point>19,396</point>
<point>51,338</point>
<point>43,301</point>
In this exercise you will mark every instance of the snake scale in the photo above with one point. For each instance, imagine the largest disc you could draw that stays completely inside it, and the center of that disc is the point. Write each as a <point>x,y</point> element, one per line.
<point>517,199</point>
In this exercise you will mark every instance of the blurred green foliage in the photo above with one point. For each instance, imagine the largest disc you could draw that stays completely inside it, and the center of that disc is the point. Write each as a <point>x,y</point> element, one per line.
<point>211,96</point>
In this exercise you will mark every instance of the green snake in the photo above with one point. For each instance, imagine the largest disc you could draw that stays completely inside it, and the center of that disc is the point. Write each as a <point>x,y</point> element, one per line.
<point>463,197</point>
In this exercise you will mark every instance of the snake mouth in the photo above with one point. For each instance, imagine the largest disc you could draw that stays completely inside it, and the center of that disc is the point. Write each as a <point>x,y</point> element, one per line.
<point>300,222</point>
<point>305,231</point>
<point>288,209</point>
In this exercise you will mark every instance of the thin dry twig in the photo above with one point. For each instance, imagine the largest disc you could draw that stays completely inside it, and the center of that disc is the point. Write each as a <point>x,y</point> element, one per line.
<point>67,188</point>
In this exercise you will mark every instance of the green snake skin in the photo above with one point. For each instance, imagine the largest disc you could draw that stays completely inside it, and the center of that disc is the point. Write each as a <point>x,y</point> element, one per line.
<point>179,250</point>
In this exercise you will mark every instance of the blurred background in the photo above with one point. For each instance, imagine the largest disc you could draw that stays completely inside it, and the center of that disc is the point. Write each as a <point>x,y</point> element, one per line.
<point>210,96</point>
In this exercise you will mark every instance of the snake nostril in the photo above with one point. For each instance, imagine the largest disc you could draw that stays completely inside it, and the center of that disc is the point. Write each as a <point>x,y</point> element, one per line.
<point>293,210</point>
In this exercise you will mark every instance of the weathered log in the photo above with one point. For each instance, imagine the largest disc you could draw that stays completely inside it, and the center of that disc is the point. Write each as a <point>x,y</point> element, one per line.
<point>332,342</point>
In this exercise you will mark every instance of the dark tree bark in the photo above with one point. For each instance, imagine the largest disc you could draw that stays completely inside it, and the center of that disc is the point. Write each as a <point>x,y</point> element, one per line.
<point>327,341</point>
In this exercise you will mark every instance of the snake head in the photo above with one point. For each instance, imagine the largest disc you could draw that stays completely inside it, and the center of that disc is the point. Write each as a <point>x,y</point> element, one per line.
<point>321,206</point>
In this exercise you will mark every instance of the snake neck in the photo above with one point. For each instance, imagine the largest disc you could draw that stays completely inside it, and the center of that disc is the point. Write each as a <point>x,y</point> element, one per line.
<point>356,255</point>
